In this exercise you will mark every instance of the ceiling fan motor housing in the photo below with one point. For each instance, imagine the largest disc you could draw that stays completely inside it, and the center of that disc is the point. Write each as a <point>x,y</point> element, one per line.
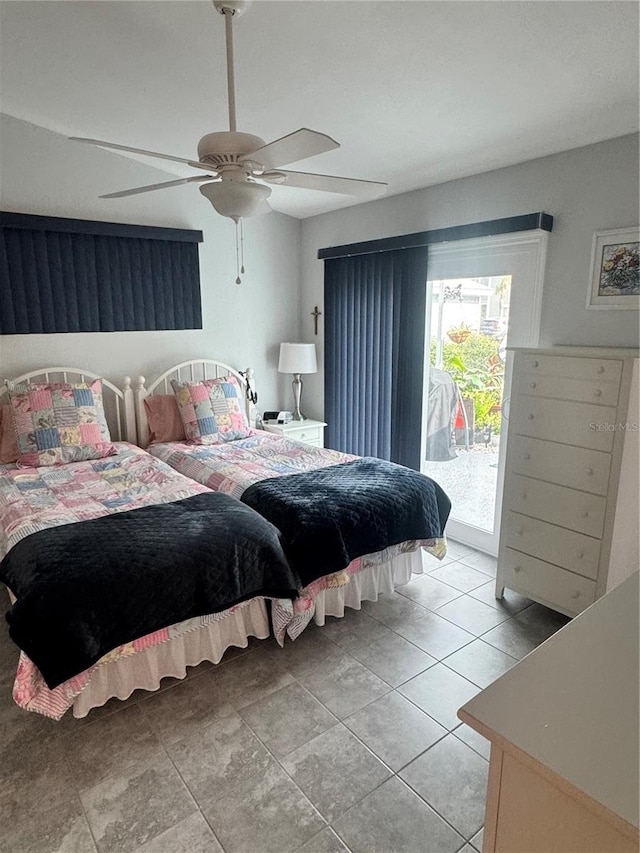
<point>236,7</point>
<point>227,147</point>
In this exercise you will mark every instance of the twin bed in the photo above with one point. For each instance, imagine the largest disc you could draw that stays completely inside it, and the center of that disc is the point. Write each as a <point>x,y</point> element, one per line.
<point>126,569</point>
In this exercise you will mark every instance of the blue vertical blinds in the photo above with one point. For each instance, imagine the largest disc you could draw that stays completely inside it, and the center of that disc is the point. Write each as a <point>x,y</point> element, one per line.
<point>62,275</point>
<point>374,353</point>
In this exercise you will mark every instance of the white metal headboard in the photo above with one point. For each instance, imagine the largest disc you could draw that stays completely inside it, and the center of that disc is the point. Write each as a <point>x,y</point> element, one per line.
<point>187,371</point>
<point>118,405</point>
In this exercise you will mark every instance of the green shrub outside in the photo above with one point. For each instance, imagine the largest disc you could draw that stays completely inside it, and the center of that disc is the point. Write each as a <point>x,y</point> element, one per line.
<point>470,364</point>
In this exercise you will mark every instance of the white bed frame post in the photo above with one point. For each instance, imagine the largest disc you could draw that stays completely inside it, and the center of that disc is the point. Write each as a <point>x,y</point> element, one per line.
<point>131,432</point>
<point>140,395</point>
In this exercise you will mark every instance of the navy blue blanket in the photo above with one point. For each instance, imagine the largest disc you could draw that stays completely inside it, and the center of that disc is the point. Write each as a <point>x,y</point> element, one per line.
<point>332,515</point>
<point>83,589</point>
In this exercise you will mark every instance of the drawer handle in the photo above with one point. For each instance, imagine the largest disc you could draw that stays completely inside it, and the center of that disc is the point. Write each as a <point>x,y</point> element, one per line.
<point>303,435</point>
<point>519,532</point>
<point>585,514</point>
<point>533,385</point>
<point>527,456</point>
<point>580,555</point>
<point>597,393</point>
<point>588,471</point>
<point>576,594</point>
<point>516,569</point>
<point>536,363</point>
<point>530,416</point>
<point>601,369</point>
<point>524,496</point>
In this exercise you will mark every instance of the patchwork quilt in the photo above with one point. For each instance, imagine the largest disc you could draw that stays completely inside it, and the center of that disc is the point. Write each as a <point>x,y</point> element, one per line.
<point>36,499</point>
<point>234,466</point>
<point>237,465</point>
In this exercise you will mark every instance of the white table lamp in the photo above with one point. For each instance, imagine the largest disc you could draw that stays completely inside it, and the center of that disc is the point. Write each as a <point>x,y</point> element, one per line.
<point>297,359</point>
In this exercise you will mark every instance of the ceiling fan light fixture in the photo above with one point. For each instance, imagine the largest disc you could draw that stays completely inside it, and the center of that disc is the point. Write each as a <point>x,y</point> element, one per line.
<point>235,199</point>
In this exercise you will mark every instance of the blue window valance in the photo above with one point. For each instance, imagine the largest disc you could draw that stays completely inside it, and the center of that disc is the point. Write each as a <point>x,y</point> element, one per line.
<point>68,275</point>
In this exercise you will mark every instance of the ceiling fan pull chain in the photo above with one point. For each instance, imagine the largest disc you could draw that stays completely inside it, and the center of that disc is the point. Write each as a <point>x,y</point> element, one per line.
<point>231,88</point>
<point>242,245</point>
<point>238,279</point>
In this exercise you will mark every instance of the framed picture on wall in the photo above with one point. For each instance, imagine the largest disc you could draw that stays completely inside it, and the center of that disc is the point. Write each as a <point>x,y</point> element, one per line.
<point>615,273</point>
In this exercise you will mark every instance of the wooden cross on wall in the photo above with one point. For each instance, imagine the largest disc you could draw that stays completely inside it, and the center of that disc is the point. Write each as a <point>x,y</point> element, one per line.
<point>315,314</point>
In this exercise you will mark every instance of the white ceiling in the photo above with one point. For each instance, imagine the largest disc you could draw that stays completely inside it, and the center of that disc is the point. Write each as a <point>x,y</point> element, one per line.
<point>417,93</point>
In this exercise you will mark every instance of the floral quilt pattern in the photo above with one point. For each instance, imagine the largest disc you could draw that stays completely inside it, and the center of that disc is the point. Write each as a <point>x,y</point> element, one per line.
<point>236,465</point>
<point>33,499</point>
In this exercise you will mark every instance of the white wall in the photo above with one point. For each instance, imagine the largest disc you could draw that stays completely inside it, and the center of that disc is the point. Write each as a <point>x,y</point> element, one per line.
<point>587,189</point>
<point>43,173</point>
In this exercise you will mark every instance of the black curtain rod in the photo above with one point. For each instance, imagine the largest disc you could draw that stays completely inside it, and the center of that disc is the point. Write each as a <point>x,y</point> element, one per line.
<point>490,228</point>
<point>33,222</point>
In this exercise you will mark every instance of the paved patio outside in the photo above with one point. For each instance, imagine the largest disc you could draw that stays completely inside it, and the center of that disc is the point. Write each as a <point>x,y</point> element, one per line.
<point>470,481</point>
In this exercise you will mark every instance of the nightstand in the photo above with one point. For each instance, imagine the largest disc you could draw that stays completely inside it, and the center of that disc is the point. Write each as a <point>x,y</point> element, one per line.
<point>310,432</point>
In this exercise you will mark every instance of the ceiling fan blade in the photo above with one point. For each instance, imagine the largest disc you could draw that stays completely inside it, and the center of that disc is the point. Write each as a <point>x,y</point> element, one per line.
<point>295,146</point>
<point>327,183</point>
<point>117,147</point>
<point>150,187</point>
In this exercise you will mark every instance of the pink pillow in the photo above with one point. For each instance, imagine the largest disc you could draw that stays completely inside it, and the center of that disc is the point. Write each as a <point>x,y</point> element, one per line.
<point>165,423</point>
<point>8,445</point>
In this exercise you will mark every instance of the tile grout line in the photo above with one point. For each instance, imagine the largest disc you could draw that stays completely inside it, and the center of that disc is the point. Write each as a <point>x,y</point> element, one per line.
<point>185,785</point>
<point>394,773</point>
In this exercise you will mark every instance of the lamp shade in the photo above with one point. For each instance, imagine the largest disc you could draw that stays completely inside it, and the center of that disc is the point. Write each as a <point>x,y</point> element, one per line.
<point>297,358</point>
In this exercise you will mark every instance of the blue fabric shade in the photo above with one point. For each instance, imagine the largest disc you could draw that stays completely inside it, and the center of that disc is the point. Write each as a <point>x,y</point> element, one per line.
<point>53,279</point>
<point>374,353</point>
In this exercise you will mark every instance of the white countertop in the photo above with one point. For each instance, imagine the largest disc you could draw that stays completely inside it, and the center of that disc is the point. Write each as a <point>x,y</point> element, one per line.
<point>572,704</point>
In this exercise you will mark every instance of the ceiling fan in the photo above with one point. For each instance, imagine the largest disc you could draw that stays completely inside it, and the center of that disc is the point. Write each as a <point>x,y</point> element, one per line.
<point>240,165</point>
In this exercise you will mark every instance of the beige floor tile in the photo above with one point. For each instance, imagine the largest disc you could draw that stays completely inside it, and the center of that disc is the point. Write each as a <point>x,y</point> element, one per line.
<point>395,729</point>
<point>452,779</point>
<point>266,812</point>
<point>440,692</point>
<point>191,835</point>
<point>335,771</point>
<point>394,818</point>
<point>287,719</point>
<point>126,811</point>
<point>481,663</point>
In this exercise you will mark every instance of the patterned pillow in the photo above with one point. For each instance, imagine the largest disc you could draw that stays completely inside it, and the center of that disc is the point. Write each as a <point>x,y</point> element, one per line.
<point>58,422</point>
<point>211,410</point>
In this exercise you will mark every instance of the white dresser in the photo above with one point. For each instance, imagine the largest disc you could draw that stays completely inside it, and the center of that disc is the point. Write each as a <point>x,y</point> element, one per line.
<point>563,465</point>
<point>308,431</point>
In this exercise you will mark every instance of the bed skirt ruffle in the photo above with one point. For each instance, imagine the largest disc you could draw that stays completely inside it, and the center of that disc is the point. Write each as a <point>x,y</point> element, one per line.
<point>143,667</point>
<point>363,580</point>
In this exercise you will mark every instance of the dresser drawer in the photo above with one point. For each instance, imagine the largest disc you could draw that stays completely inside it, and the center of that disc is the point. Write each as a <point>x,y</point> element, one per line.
<point>570,367</point>
<point>546,582</point>
<point>556,504</point>
<point>575,467</point>
<point>599,391</point>
<point>566,548</point>
<point>557,420</point>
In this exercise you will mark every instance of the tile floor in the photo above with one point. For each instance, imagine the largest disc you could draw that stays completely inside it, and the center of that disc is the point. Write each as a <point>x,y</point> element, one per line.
<point>346,740</point>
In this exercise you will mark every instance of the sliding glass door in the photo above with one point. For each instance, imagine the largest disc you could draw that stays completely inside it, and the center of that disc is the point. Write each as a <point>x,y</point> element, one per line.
<point>483,296</point>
